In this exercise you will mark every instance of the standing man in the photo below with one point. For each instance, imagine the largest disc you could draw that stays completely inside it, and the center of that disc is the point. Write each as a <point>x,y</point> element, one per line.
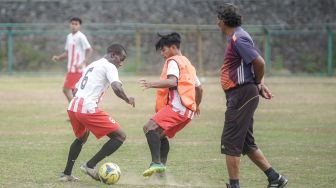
<point>179,94</point>
<point>78,51</point>
<point>242,79</point>
<point>86,117</point>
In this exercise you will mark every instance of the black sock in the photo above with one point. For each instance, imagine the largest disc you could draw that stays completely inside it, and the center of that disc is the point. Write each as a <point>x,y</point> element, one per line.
<point>271,174</point>
<point>154,144</point>
<point>108,148</point>
<point>234,183</point>
<point>164,150</point>
<point>74,151</point>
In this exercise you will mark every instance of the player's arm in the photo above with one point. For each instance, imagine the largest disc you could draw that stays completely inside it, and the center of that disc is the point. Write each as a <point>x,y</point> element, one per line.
<point>88,54</point>
<point>171,81</point>
<point>118,90</point>
<point>61,57</point>
<point>259,70</point>
<point>198,95</point>
<point>198,98</point>
<point>88,49</point>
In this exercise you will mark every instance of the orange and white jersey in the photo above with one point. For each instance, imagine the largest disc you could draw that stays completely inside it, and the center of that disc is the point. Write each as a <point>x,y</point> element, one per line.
<point>76,44</point>
<point>95,80</point>
<point>174,98</point>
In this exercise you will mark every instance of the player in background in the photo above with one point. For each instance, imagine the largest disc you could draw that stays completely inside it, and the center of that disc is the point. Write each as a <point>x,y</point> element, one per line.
<point>242,79</point>
<point>78,51</point>
<point>179,94</point>
<point>86,117</point>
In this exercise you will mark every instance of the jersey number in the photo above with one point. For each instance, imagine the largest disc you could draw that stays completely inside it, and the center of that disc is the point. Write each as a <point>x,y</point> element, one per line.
<point>85,79</point>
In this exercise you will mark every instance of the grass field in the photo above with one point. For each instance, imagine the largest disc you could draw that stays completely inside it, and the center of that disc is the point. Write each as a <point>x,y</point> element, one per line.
<point>296,131</point>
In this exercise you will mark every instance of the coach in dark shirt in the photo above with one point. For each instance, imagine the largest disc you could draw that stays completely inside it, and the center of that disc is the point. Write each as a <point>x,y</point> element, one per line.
<point>242,79</point>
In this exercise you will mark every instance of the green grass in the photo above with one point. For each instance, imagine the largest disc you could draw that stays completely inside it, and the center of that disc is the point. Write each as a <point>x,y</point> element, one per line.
<point>296,131</point>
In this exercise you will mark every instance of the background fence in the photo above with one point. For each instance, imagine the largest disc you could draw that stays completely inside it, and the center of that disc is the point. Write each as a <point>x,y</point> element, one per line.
<point>29,47</point>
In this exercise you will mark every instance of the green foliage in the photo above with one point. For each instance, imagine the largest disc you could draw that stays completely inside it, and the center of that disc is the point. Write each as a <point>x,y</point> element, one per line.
<point>311,64</point>
<point>29,57</point>
<point>129,66</point>
<point>277,64</point>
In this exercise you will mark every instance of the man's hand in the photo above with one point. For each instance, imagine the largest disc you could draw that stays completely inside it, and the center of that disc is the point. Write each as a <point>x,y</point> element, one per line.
<point>198,111</point>
<point>55,58</point>
<point>82,66</point>
<point>85,62</point>
<point>170,82</point>
<point>74,91</point>
<point>145,84</point>
<point>131,101</point>
<point>265,92</point>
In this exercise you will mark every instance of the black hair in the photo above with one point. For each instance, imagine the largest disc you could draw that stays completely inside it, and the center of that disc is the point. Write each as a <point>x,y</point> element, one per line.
<point>76,19</point>
<point>229,14</point>
<point>116,49</point>
<point>168,40</point>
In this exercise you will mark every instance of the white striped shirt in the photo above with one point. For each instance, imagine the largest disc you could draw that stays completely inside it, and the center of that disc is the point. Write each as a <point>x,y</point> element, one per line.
<point>76,44</point>
<point>91,87</point>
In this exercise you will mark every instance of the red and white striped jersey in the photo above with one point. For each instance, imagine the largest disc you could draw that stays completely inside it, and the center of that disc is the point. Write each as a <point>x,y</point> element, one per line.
<point>95,80</point>
<point>76,44</point>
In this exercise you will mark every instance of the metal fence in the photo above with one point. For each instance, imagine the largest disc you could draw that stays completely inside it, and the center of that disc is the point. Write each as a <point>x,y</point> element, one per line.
<point>28,47</point>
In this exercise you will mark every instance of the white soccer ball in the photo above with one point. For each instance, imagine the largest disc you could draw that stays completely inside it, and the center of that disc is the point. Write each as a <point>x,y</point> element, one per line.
<point>109,173</point>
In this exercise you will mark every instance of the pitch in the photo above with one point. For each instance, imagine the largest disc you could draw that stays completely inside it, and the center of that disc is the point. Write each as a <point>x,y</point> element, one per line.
<point>295,130</point>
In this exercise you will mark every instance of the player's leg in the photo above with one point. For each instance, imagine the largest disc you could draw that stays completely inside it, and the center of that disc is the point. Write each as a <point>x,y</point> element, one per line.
<point>164,150</point>
<point>70,83</point>
<point>74,151</point>
<point>230,146</point>
<point>253,152</point>
<point>82,134</point>
<point>241,105</point>
<point>154,133</point>
<point>170,132</point>
<point>258,158</point>
<point>101,124</point>
<point>68,93</point>
<point>275,180</point>
<point>232,164</point>
<point>165,123</point>
<point>117,138</point>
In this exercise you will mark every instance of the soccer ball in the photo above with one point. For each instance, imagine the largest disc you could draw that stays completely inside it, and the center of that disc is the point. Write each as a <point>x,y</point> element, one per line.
<point>109,173</point>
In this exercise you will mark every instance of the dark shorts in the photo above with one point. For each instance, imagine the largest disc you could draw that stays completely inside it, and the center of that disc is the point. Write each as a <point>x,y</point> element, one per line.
<point>237,136</point>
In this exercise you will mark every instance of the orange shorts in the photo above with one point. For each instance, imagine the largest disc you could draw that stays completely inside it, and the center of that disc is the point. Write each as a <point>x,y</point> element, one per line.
<point>71,80</point>
<point>170,121</point>
<point>99,123</point>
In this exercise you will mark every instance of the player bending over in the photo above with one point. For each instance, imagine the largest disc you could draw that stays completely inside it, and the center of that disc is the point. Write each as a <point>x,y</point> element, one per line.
<point>178,97</point>
<point>86,117</point>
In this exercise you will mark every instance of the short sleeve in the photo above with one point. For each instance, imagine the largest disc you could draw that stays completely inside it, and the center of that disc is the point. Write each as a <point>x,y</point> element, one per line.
<point>197,82</point>
<point>173,69</point>
<point>85,42</point>
<point>246,49</point>
<point>112,73</point>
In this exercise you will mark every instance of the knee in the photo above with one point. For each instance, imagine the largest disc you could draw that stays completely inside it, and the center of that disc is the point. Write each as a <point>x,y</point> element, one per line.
<point>145,129</point>
<point>84,138</point>
<point>65,90</point>
<point>122,136</point>
<point>119,135</point>
<point>77,142</point>
<point>150,125</point>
